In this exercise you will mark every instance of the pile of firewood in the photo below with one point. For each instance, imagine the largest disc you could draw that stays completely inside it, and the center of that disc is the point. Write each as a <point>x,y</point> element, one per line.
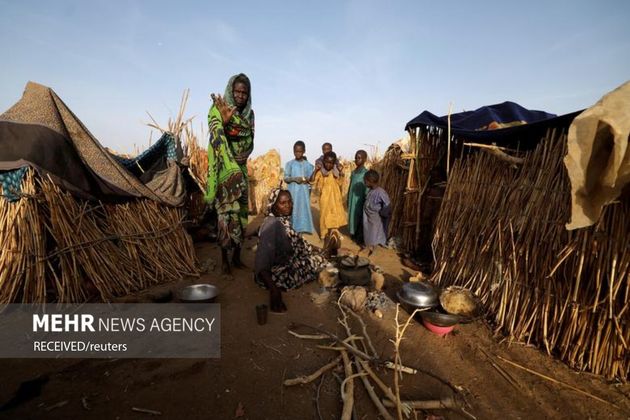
<point>358,359</point>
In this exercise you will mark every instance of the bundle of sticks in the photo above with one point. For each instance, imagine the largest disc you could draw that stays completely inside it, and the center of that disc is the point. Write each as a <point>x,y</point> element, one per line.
<point>501,233</point>
<point>22,244</point>
<point>358,359</point>
<point>393,175</point>
<point>56,247</point>
<point>197,155</point>
<point>406,176</point>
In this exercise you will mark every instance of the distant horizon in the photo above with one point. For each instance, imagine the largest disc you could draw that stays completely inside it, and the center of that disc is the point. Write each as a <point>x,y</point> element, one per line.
<point>349,72</point>
<point>371,149</point>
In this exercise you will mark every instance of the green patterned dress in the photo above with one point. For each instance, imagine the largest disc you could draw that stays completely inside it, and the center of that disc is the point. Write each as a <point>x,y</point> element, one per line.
<point>229,147</point>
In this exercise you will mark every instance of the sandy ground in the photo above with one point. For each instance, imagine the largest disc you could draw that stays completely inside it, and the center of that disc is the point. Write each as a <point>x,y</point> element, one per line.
<point>255,359</point>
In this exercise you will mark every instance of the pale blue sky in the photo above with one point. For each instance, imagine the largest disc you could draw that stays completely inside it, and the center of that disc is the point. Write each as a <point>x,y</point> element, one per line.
<point>349,72</point>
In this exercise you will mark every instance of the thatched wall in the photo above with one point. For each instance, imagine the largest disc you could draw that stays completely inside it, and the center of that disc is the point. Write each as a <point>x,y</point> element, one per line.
<point>54,247</point>
<point>414,183</point>
<point>499,228</point>
<point>501,232</point>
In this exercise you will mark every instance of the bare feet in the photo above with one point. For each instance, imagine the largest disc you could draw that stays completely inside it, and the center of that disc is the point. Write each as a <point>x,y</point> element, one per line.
<point>226,269</point>
<point>275,301</point>
<point>276,305</point>
<point>236,259</point>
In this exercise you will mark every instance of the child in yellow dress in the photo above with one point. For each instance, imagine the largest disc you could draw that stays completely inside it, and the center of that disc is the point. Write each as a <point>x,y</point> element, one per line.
<point>331,212</point>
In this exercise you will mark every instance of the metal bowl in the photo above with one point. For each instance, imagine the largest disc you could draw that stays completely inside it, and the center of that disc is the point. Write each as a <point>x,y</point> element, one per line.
<point>418,295</point>
<point>440,319</point>
<point>199,293</point>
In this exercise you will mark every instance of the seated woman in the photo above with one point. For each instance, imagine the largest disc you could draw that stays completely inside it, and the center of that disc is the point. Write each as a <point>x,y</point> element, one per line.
<point>284,260</point>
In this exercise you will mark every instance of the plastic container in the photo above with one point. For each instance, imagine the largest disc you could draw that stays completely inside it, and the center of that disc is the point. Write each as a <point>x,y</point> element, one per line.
<point>441,331</point>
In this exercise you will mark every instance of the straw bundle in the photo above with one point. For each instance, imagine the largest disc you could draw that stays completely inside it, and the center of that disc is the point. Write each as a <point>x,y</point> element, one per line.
<point>198,170</point>
<point>58,248</point>
<point>264,175</point>
<point>22,243</point>
<point>197,156</point>
<point>175,126</point>
<point>500,232</point>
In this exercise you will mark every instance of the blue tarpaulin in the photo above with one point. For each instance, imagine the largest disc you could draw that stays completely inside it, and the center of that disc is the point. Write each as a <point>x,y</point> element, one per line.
<point>494,123</point>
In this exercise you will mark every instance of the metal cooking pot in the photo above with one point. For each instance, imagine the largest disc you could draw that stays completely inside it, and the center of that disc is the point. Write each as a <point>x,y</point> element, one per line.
<point>417,295</point>
<point>356,276</point>
<point>355,262</point>
<point>355,271</point>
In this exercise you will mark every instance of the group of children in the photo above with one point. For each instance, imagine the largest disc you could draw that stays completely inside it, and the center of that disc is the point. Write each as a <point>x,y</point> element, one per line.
<point>368,206</point>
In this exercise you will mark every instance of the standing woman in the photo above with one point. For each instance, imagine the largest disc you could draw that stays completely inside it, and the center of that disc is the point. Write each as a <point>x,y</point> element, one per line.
<point>231,126</point>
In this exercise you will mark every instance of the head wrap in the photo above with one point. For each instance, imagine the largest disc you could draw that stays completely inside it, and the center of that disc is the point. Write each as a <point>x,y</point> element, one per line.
<point>229,95</point>
<point>273,197</point>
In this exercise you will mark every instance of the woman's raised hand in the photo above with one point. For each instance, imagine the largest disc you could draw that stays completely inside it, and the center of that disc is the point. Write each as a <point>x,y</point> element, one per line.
<point>224,108</point>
